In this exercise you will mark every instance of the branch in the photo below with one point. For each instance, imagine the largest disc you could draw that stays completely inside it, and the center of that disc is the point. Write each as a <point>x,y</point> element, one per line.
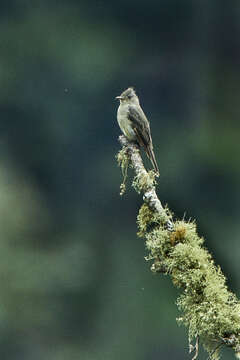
<point>209,310</point>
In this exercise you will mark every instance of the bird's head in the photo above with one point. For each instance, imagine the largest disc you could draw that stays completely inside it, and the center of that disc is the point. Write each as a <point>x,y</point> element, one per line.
<point>128,96</point>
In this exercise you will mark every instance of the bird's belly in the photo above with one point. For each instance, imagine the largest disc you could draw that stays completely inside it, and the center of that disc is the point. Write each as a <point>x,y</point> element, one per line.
<point>126,128</point>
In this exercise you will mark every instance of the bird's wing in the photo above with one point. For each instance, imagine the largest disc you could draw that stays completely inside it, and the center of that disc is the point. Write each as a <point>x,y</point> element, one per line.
<point>140,125</point>
<point>141,128</point>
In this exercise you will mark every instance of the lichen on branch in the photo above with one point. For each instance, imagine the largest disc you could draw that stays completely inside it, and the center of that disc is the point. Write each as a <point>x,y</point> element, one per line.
<point>208,309</point>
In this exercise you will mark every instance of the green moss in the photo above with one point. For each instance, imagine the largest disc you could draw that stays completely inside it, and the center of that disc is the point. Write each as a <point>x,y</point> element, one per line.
<point>209,309</point>
<point>146,220</point>
<point>123,162</point>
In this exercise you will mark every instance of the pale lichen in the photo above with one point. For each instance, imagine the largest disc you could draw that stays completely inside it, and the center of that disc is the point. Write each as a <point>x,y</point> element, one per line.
<point>209,310</point>
<point>144,180</point>
<point>123,162</point>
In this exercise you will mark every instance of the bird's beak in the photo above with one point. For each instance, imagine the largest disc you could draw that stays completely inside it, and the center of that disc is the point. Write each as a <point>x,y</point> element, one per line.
<point>118,97</point>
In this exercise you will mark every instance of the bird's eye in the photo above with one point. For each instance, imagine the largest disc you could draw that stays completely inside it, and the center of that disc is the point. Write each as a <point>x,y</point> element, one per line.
<point>129,96</point>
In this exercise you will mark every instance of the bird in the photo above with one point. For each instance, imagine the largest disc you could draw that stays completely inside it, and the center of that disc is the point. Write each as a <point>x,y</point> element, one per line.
<point>134,123</point>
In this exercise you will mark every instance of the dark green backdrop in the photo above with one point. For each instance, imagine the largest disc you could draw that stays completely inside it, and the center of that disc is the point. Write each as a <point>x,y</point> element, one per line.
<point>73,280</point>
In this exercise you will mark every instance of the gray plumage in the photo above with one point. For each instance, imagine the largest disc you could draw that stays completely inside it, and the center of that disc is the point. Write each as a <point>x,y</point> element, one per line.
<point>134,124</point>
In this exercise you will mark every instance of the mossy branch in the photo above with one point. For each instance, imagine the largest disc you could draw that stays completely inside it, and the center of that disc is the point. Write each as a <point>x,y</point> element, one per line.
<point>209,310</point>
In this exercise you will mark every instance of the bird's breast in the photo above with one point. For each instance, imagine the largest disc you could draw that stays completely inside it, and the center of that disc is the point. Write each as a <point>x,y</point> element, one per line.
<point>125,124</point>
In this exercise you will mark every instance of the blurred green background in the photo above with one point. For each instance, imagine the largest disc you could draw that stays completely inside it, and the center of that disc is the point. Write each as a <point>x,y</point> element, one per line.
<point>74,282</point>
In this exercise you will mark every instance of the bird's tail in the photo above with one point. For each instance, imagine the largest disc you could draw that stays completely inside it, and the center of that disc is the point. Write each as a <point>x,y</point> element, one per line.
<point>152,158</point>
